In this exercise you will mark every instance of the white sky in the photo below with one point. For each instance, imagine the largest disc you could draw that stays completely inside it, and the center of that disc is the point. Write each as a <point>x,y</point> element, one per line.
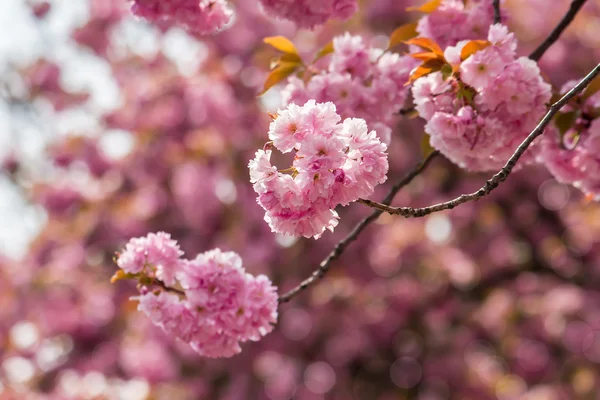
<point>23,39</point>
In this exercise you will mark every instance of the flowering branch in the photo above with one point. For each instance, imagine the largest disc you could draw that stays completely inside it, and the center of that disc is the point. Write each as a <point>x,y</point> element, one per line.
<point>499,177</point>
<point>497,16</point>
<point>558,30</point>
<point>353,235</point>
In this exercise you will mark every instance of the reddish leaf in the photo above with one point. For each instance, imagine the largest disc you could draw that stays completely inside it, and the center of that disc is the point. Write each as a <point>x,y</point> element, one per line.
<point>426,147</point>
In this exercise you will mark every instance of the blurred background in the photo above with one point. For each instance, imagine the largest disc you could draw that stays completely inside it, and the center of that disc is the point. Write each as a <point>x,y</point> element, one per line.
<point>111,128</point>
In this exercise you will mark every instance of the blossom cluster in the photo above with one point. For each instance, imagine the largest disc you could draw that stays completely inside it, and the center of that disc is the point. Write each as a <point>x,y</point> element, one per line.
<point>479,115</point>
<point>335,163</point>
<point>456,20</point>
<point>574,157</point>
<point>309,13</point>
<point>209,302</point>
<point>199,17</point>
<point>363,82</point>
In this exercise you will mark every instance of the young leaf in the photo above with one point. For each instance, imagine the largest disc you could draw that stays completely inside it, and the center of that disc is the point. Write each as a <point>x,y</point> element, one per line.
<point>281,72</point>
<point>290,58</point>
<point>426,44</point>
<point>327,49</point>
<point>427,8</point>
<point>425,69</point>
<point>592,89</point>
<point>565,120</point>
<point>426,147</point>
<point>402,33</point>
<point>281,43</point>
<point>120,275</point>
<point>472,47</point>
<point>425,55</point>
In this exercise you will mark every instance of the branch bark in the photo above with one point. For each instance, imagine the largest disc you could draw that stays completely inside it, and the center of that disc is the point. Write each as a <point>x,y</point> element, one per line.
<point>498,178</point>
<point>558,30</point>
<point>353,235</point>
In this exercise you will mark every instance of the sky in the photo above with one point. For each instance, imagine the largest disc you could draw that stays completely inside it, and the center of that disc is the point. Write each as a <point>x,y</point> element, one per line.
<point>23,39</point>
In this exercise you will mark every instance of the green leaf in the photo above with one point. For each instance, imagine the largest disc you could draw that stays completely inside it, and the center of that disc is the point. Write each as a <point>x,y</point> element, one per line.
<point>426,147</point>
<point>565,120</point>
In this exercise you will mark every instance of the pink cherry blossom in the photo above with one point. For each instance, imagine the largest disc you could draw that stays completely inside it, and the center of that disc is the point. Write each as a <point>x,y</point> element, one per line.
<point>362,81</point>
<point>478,117</point>
<point>310,13</point>
<point>334,164</point>
<point>456,20</point>
<point>199,17</point>
<point>156,251</point>
<point>220,304</point>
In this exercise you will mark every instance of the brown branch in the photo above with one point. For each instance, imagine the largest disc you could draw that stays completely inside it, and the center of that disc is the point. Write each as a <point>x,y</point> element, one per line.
<point>353,235</point>
<point>558,30</point>
<point>497,15</point>
<point>499,177</point>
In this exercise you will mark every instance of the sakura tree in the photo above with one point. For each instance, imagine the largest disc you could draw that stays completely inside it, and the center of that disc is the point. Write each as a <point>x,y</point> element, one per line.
<point>331,199</point>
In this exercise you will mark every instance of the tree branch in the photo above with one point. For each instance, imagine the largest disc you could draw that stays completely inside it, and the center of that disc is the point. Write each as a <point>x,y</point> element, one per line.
<point>497,15</point>
<point>353,235</point>
<point>558,30</point>
<point>499,177</point>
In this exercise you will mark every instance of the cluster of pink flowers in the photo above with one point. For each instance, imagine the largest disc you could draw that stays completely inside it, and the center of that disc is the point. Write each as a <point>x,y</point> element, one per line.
<point>309,13</point>
<point>199,17</point>
<point>479,116</point>
<point>574,157</point>
<point>456,20</point>
<point>335,163</point>
<point>209,302</point>
<point>363,82</point>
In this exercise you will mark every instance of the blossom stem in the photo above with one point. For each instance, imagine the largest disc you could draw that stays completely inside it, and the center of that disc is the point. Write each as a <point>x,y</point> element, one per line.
<point>497,15</point>
<point>500,176</point>
<point>558,30</point>
<point>339,248</point>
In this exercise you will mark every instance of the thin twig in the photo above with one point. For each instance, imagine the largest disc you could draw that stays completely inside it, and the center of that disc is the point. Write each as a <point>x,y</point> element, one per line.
<point>353,235</point>
<point>497,15</point>
<point>558,30</point>
<point>499,177</point>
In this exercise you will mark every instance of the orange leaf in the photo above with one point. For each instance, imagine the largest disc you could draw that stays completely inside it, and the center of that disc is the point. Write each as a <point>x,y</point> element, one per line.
<point>425,69</point>
<point>402,33</point>
<point>281,43</point>
<point>427,44</point>
<point>282,71</point>
<point>425,55</point>
<point>472,47</point>
<point>327,49</point>
<point>428,7</point>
